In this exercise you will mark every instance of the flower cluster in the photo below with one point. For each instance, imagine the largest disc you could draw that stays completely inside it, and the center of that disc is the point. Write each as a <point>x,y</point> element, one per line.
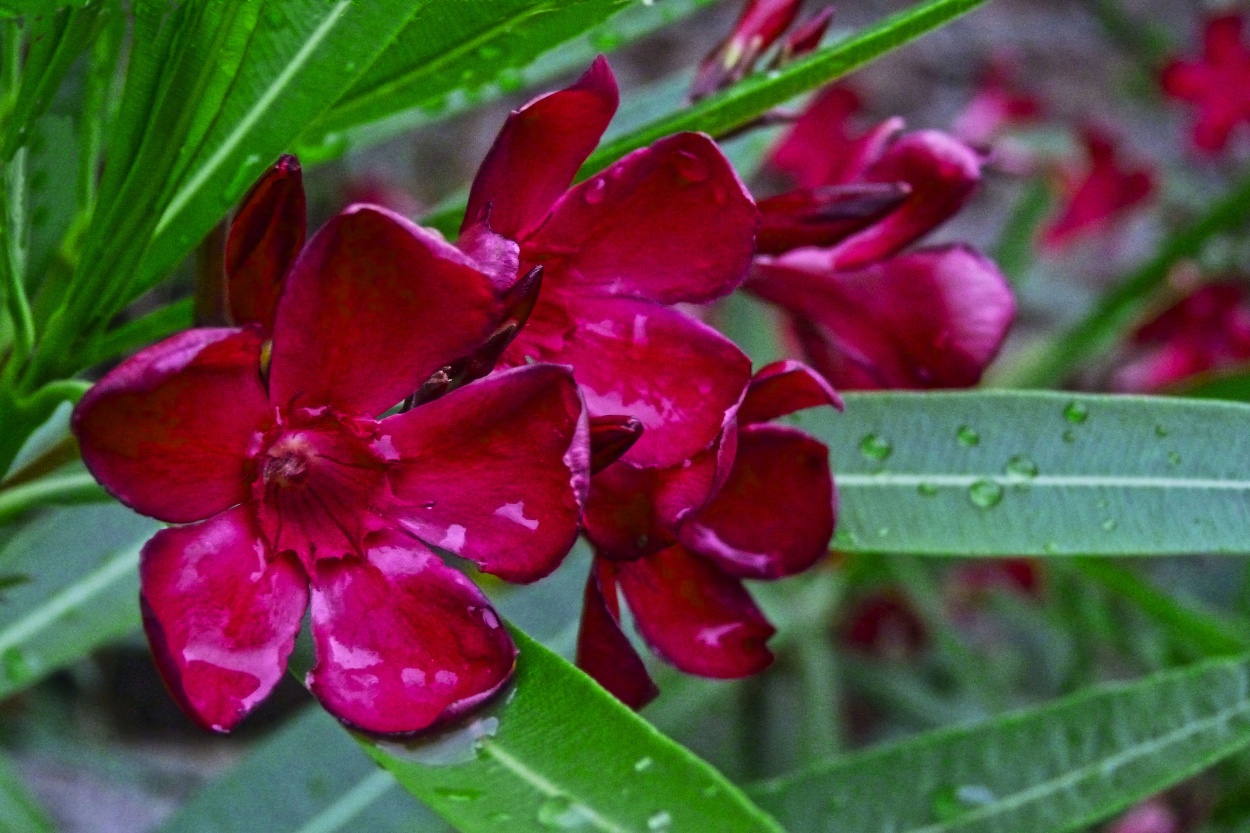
<point>1217,85</point>
<point>384,399</point>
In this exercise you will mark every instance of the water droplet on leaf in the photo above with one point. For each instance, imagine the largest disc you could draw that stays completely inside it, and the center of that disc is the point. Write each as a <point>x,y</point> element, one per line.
<point>643,764</point>
<point>458,795</point>
<point>967,437</point>
<point>927,489</point>
<point>660,822</point>
<point>489,52</point>
<point>1021,466</point>
<point>1076,413</point>
<point>952,803</point>
<point>561,813</point>
<point>1174,458</point>
<point>985,494</point>
<point>1109,524</point>
<point>875,447</point>
<point>15,666</point>
<point>1160,431</point>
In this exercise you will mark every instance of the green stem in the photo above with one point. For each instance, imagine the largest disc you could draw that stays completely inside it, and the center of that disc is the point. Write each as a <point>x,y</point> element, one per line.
<point>59,490</point>
<point>1118,309</point>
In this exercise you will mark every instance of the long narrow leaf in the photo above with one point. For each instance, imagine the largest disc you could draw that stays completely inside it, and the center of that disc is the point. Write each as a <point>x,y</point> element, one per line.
<point>993,473</point>
<point>1046,770</point>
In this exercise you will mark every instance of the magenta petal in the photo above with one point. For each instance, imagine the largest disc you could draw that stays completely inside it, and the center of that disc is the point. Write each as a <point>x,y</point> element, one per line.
<point>496,471</point>
<point>168,431</point>
<point>761,23</point>
<point>667,223</point>
<point>933,318</point>
<point>538,152</point>
<point>1109,188</point>
<point>680,378</point>
<point>696,617</point>
<point>221,617</point>
<point>824,216</point>
<point>603,650</point>
<point>774,515</point>
<point>373,306</point>
<point>814,151</point>
<point>942,173</point>
<point>782,388</point>
<point>265,237</point>
<point>403,641</point>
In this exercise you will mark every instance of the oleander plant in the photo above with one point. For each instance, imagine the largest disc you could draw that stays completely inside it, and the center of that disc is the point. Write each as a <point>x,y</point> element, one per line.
<point>634,416</point>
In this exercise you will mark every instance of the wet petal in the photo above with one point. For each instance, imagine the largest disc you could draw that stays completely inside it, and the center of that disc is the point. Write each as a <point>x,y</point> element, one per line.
<point>933,318</point>
<point>696,617</point>
<point>667,223</point>
<point>774,515</point>
<point>782,388</point>
<point>265,237</point>
<point>603,650</point>
<point>942,173</point>
<point>403,641</point>
<point>372,307</point>
<point>816,150</point>
<point>677,376</point>
<point>538,152</point>
<point>496,471</point>
<point>826,215</point>
<point>168,431</point>
<point>220,616</point>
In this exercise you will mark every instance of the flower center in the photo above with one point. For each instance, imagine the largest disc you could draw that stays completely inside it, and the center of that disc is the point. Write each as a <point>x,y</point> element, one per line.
<point>320,486</point>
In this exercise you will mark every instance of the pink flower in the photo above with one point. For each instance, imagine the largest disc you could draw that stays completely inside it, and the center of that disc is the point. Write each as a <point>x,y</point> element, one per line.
<point>666,224</point>
<point>1207,331</point>
<point>678,541</point>
<point>1101,195</point>
<point>864,315</point>
<point>997,104</point>
<point>760,25</point>
<point>1218,85</point>
<point>884,624</point>
<point>266,440</point>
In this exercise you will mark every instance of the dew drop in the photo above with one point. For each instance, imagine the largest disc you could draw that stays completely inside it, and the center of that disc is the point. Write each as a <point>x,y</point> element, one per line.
<point>500,818</point>
<point>967,437</point>
<point>660,822</point>
<point>985,493</point>
<point>1076,413</point>
<point>951,803</point>
<point>559,812</point>
<point>593,195</point>
<point>510,80</point>
<point>1050,548</point>
<point>1021,466</point>
<point>1109,524</point>
<point>1174,458</point>
<point>489,52</point>
<point>1160,431</point>
<point>875,447</point>
<point>710,791</point>
<point>690,167</point>
<point>883,531</point>
<point>927,489</point>
<point>15,666</point>
<point>460,796</point>
<point>1069,436</point>
<point>350,66</point>
<point>643,764</point>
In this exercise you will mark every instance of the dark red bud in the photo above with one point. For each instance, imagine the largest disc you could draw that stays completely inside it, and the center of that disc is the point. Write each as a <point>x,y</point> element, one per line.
<point>611,437</point>
<point>761,24</point>
<point>806,37</point>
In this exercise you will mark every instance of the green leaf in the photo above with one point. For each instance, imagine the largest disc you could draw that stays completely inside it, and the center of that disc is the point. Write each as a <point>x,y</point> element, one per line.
<point>1051,769</point>
<point>1118,309</point>
<point>302,56</point>
<point>561,753</point>
<point>748,99</point>
<point>993,473</point>
<point>18,810</point>
<point>316,780</point>
<point>82,592</point>
<point>411,95</point>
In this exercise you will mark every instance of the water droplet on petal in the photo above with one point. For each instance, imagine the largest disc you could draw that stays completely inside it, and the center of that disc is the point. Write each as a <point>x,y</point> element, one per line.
<point>1076,413</point>
<point>593,195</point>
<point>967,437</point>
<point>690,167</point>
<point>875,447</point>
<point>559,812</point>
<point>985,494</point>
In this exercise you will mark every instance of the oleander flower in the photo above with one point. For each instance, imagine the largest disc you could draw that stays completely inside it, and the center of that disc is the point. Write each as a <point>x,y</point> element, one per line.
<point>667,224</point>
<point>1217,85</point>
<point>866,313</point>
<point>677,542</point>
<point>1204,333</point>
<point>269,444</point>
<point>1100,194</point>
